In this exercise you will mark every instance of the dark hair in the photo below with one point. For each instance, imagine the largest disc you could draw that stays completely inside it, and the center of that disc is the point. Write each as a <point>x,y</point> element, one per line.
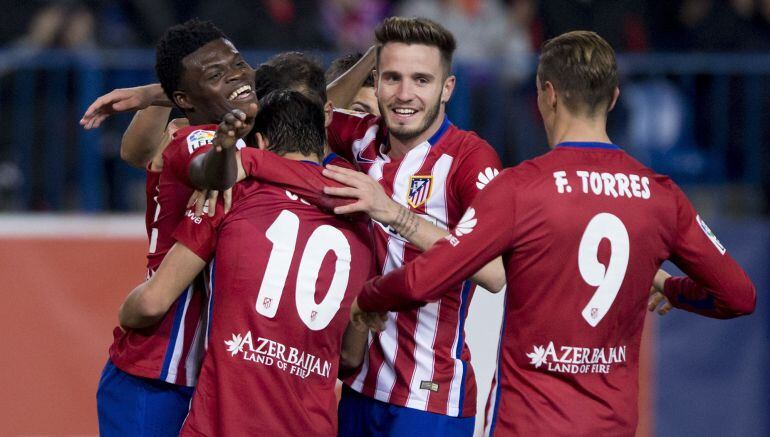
<point>291,122</point>
<point>416,31</point>
<point>581,66</point>
<point>176,43</point>
<point>295,71</point>
<point>343,64</point>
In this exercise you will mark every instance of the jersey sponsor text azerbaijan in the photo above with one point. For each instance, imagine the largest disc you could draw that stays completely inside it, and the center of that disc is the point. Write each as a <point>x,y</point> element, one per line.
<point>582,231</point>
<point>284,274</point>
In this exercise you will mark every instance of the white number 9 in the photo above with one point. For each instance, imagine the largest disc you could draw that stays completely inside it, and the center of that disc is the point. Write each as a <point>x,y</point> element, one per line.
<point>609,279</point>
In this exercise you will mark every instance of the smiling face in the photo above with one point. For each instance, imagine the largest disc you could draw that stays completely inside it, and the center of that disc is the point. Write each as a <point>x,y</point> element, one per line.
<point>215,80</point>
<point>412,90</point>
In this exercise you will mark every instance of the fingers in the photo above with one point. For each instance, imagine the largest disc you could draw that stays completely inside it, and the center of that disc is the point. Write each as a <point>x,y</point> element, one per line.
<point>349,209</point>
<point>665,308</point>
<point>655,299</point>
<point>200,204</point>
<point>347,177</point>
<point>194,198</point>
<point>211,202</point>
<point>343,192</point>
<point>227,196</point>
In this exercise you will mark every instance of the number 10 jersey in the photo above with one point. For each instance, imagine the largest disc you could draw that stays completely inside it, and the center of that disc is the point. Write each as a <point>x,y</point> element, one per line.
<point>284,275</point>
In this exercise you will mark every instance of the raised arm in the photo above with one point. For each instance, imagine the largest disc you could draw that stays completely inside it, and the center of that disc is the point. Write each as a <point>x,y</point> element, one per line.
<point>343,89</point>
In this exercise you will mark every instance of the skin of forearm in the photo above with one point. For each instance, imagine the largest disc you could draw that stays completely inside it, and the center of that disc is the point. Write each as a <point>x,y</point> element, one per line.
<point>142,140</point>
<point>137,312</point>
<point>215,170</point>
<point>424,235</point>
<point>354,343</point>
<point>343,89</point>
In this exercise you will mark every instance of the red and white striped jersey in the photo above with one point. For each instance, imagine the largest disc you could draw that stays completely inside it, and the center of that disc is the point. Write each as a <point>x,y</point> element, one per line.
<point>421,360</point>
<point>172,349</point>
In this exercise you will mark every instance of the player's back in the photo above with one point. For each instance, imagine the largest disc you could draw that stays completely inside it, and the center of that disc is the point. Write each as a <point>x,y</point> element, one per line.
<point>285,275</point>
<point>591,228</point>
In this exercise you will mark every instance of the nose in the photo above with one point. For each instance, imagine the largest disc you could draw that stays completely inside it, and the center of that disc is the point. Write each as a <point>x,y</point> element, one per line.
<point>235,74</point>
<point>404,92</point>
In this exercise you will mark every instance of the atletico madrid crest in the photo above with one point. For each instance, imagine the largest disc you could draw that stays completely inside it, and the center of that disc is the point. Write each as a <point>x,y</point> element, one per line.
<point>420,188</point>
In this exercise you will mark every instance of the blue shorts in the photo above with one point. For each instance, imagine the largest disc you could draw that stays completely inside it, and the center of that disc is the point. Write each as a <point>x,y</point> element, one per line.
<point>131,406</point>
<point>362,416</point>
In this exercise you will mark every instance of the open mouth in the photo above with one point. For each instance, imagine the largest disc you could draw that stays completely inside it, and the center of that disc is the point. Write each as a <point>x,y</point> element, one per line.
<point>241,93</point>
<point>404,113</point>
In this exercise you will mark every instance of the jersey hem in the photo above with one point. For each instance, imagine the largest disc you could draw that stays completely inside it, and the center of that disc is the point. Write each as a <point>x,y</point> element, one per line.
<point>401,401</point>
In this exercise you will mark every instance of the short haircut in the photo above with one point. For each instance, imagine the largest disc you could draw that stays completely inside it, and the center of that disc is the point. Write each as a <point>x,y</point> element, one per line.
<point>343,64</point>
<point>291,122</point>
<point>416,31</point>
<point>581,66</point>
<point>298,72</point>
<point>176,43</point>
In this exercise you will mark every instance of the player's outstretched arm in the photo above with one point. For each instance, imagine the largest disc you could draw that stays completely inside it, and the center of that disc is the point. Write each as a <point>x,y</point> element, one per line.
<point>487,233</point>
<point>142,140</point>
<point>716,285</point>
<point>343,89</point>
<point>217,169</point>
<point>372,200</point>
<point>148,303</point>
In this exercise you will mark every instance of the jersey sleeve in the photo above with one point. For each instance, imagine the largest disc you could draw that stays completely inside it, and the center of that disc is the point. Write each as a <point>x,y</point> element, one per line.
<point>301,178</point>
<point>186,145</point>
<point>346,127</point>
<point>483,233</point>
<point>199,234</point>
<point>716,285</point>
<point>474,172</point>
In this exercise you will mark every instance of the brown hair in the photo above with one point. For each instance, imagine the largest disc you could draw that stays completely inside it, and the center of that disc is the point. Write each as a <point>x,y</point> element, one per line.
<point>416,31</point>
<point>581,66</point>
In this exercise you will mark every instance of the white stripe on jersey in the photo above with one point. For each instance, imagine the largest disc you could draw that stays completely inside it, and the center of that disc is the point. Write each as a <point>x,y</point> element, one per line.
<point>386,374</point>
<point>195,356</point>
<point>492,400</point>
<point>358,383</point>
<point>173,367</point>
<point>425,337</point>
<point>368,138</point>
<point>427,316</point>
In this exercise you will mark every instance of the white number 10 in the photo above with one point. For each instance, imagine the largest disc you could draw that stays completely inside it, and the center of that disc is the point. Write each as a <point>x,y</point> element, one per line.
<point>609,279</point>
<point>283,234</point>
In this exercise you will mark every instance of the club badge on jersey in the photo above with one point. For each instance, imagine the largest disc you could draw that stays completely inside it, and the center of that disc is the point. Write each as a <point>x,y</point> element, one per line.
<point>199,138</point>
<point>420,188</point>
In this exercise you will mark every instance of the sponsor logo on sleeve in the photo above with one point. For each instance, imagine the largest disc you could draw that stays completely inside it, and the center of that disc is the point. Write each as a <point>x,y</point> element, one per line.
<point>467,223</point>
<point>486,176</point>
<point>199,138</point>
<point>710,235</point>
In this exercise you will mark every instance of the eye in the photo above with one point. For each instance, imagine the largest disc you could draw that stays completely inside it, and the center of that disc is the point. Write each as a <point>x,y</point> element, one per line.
<point>423,80</point>
<point>214,76</point>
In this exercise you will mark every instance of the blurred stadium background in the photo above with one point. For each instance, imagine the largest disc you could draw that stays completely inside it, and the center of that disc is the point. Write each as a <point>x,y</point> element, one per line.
<point>695,104</point>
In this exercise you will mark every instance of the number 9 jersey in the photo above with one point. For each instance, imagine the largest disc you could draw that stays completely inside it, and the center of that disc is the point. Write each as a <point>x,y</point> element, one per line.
<point>582,231</point>
<point>283,277</point>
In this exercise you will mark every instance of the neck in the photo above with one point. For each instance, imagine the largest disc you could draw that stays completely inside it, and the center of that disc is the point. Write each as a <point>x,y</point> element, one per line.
<point>567,127</point>
<point>296,156</point>
<point>399,148</point>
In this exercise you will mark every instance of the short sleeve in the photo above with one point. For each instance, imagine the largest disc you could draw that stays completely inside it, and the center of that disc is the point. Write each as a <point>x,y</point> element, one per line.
<point>199,234</point>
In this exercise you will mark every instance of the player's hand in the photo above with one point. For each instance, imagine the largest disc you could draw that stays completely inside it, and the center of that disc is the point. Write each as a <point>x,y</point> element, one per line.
<point>658,300</point>
<point>375,321</point>
<point>205,201</point>
<point>235,124</point>
<point>120,100</point>
<point>371,197</point>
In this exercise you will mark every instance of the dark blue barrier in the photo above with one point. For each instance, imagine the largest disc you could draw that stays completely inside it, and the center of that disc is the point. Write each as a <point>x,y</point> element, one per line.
<point>718,101</point>
<point>712,375</point>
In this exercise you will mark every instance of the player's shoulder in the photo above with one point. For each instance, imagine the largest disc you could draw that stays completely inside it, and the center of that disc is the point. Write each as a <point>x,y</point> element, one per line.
<point>465,142</point>
<point>191,138</point>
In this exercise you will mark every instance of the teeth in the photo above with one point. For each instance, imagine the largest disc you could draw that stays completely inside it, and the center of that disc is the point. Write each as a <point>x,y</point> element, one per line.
<point>404,111</point>
<point>239,91</point>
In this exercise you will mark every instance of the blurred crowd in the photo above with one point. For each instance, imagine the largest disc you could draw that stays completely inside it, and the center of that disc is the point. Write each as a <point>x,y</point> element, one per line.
<point>488,28</point>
